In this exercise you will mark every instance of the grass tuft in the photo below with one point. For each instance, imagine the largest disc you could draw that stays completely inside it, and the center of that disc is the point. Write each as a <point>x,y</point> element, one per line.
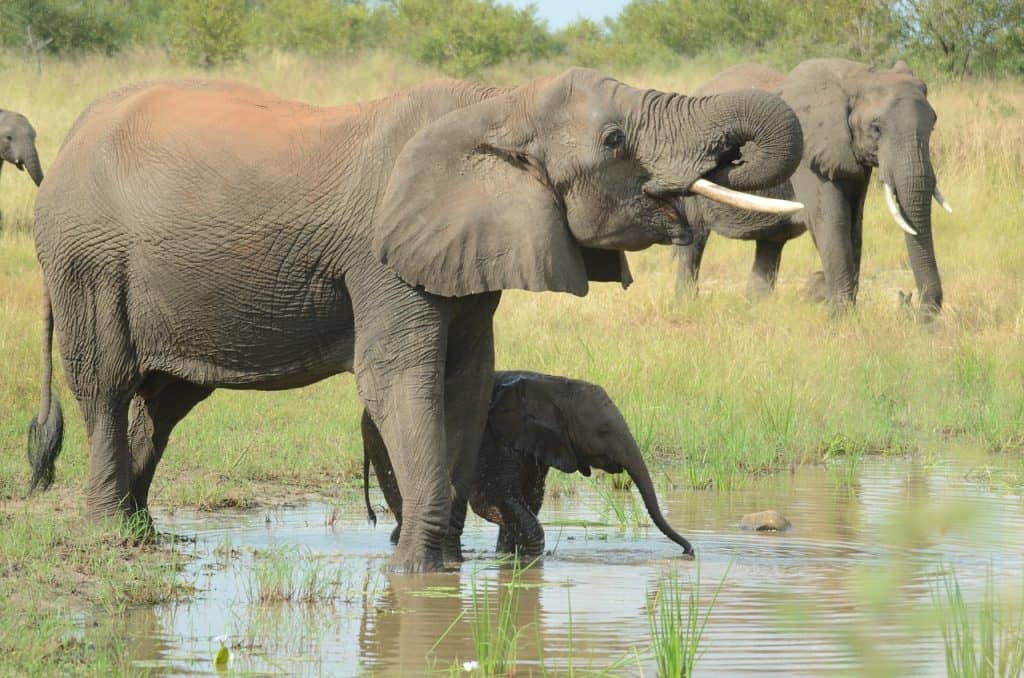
<point>677,623</point>
<point>985,640</point>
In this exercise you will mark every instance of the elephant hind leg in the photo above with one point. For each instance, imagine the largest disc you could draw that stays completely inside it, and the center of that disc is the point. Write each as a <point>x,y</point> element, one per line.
<point>157,407</point>
<point>109,475</point>
<point>767,256</point>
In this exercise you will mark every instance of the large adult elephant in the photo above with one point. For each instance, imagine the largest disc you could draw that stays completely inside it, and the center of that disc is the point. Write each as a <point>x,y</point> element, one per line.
<point>18,144</point>
<point>854,119</point>
<point>202,235</point>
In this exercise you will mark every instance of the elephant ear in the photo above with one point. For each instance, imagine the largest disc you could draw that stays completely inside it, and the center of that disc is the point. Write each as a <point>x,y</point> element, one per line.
<point>813,91</point>
<point>469,208</point>
<point>528,423</point>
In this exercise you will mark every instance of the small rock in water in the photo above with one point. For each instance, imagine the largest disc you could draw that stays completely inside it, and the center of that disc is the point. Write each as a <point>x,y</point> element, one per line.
<point>765,521</point>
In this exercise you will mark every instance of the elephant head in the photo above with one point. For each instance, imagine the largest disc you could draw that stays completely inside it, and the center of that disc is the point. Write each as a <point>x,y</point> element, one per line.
<point>573,426</point>
<point>542,187</point>
<point>18,144</point>
<point>856,118</point>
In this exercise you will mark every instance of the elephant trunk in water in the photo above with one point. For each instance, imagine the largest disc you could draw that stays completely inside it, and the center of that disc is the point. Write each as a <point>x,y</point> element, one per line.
<point>907,172</point>
<point>642,479</point>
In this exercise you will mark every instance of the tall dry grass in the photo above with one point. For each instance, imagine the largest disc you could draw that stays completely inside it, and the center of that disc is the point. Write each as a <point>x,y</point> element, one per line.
<point>721,385</point>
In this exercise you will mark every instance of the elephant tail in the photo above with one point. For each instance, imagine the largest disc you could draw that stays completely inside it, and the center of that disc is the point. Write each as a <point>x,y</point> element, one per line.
<point>46,431</point>
<point>370,515</point>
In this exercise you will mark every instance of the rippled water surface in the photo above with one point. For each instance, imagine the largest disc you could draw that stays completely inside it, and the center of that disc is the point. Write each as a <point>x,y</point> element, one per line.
<point>846,590</point>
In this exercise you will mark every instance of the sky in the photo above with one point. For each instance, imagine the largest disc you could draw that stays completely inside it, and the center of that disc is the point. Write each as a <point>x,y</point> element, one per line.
<point>559,13</point>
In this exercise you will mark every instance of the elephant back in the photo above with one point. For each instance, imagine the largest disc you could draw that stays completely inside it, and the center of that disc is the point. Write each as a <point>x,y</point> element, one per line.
<point>743,76</point>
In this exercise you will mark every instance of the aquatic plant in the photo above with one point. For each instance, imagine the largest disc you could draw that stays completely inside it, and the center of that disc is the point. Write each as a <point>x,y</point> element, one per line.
<point>677,623</point>
<point>984,642</point>
<point>278,575</point>
<point>620,506</point>
<point>495,630</point>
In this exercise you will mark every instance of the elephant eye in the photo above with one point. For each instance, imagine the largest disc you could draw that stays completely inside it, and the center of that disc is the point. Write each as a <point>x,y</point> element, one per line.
<point>876,131</point>
<point>614,139</point>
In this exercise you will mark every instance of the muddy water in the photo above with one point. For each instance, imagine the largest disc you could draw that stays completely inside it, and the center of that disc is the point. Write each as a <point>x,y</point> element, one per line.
<point>845,591</point>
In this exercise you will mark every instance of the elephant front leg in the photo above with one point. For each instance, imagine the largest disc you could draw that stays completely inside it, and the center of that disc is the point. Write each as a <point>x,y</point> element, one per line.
<point>400,374</point>
<point>407,413</point>
<point>831,228</point>
<point>470,378</point>
<point>521,531</point>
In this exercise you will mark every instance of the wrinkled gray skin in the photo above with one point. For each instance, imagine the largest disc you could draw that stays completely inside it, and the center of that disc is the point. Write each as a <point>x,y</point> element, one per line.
<point>18,144</point>
<point>854,119</point>
<point>203,235</point>
<point>534,422</point>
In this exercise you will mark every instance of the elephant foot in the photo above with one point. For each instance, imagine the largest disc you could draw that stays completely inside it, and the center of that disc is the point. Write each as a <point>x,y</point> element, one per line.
<point>416,559</point>
<point>758,289</point>
<point>452,553</point>
<point>815,289</point>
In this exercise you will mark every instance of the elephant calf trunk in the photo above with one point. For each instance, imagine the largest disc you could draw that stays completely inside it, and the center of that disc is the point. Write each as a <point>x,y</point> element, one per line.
<point>642,479</point>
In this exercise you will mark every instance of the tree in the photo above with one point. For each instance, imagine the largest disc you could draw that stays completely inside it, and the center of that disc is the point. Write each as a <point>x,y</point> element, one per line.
<point>463,36</point>
<point>314,26</point>
<point>65,26</point>
<point>862,30</point>
<point>207,32</point>
<point>963,33</point>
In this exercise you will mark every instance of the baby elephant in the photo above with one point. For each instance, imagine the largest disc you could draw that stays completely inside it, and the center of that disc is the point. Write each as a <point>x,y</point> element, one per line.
<point>18,144</point>
<point>535,421</point>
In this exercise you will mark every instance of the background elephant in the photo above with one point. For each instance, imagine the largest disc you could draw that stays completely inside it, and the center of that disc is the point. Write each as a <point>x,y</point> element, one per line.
<point>18,144</point>
<point>201,235</point>
<point>854,119</point>
<point>535,421</point>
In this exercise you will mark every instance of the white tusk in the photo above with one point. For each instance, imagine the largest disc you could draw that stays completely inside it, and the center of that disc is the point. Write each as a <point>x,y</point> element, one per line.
<point>939,198</point>
<point>746,201</point>
<point>894,209</point>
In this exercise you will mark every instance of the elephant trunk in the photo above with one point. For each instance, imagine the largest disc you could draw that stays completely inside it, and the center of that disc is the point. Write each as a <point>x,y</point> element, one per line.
<point>642,479</point>
<point>746,141</point>
<point>910,175</point>
<point>760,124</point>
<point>26,157</point>
<point>30,160</point>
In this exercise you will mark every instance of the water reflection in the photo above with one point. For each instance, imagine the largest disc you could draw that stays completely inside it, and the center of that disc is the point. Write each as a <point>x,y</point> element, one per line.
<point>843,591</point>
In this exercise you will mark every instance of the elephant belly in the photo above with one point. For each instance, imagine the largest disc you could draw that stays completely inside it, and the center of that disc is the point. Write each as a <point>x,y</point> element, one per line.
<point>250,330</point>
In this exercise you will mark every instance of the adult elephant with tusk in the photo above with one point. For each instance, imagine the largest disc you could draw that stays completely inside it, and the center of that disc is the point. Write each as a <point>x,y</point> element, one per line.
<point>855,119</point>
<point>18,144</point>
<point>201,235</point>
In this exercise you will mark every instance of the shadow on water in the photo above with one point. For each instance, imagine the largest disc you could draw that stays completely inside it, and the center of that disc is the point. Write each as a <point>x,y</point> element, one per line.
<point>847,589</point>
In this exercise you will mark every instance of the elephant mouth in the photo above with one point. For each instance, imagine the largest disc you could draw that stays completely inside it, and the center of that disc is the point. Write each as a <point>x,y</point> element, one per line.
<point>680,232</point>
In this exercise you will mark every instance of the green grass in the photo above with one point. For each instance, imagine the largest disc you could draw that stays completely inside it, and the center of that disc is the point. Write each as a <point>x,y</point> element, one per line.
<point>63,584</point>
<point>983,640</point>
<point>677,621</point>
